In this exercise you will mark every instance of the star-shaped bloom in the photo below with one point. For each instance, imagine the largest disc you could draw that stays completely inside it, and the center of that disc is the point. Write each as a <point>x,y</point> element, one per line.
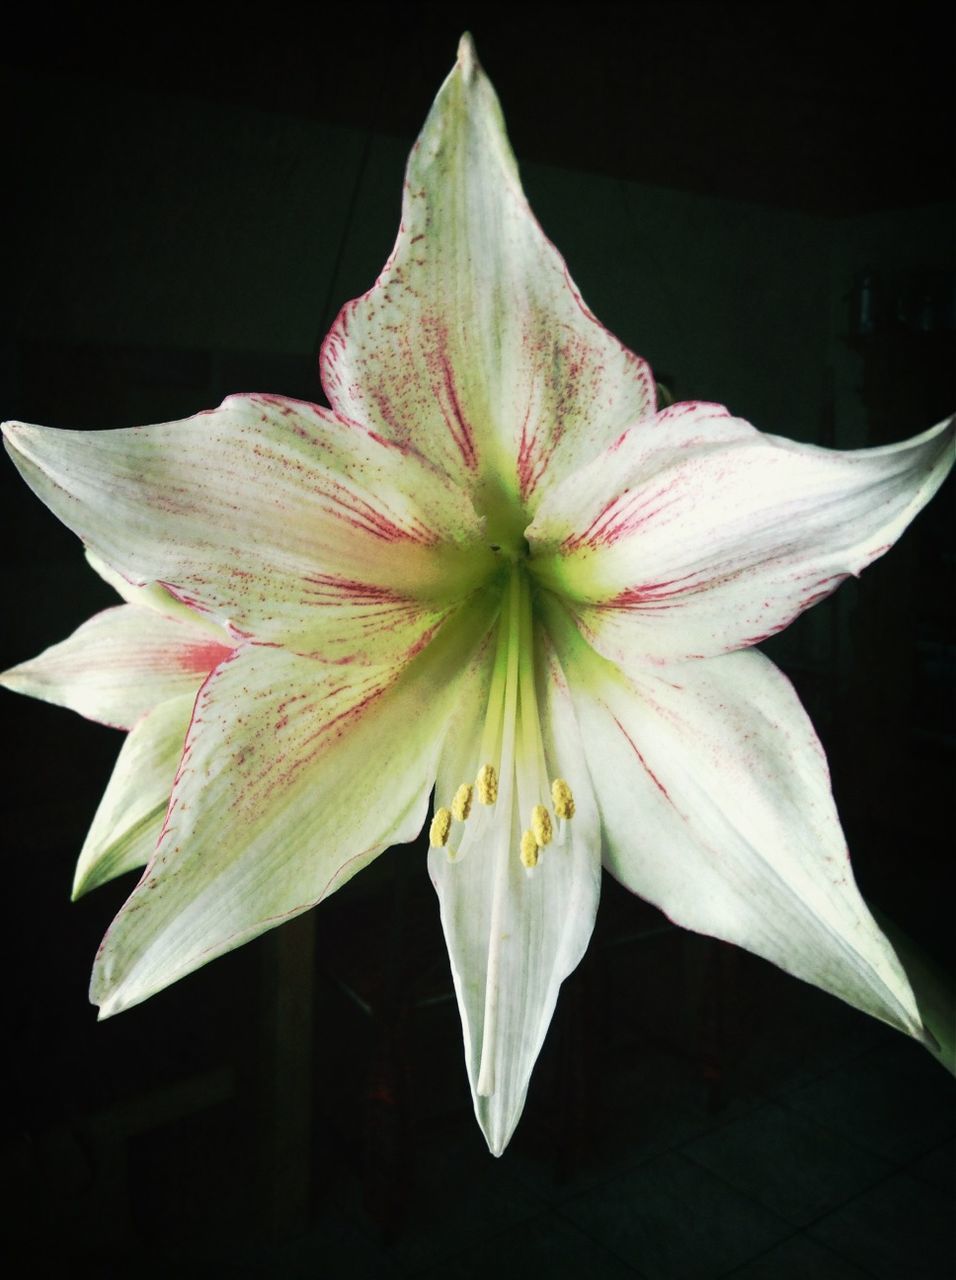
<point>491,567</point>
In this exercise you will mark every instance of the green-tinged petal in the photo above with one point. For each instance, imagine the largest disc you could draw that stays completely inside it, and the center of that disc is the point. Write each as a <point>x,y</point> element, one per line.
<point>130,815</point>
<point>295,775</point>
<point>716,806</point>
<point>474,344</point>
<point>694,534</point>
<point>153,596</point>
<point>544,919</point>
<point>120,664</point>
<point>272,516</point>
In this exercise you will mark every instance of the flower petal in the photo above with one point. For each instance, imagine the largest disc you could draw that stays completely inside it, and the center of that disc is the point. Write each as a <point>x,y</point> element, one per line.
<point>716,806</point>
<point>294,776</point>
<point>153,596</point>
<point>547,916</point>
<point>270,515</point>
<point>474,344</point>
<point>129,818</point>
<point>120,664</point>
<point>695,535</point>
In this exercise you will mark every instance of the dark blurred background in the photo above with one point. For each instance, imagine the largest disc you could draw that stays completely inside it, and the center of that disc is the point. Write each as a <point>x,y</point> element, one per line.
<point>759,200</point>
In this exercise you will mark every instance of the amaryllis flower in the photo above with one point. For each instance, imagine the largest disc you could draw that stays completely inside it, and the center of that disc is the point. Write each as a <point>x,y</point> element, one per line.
<point>491,567</point>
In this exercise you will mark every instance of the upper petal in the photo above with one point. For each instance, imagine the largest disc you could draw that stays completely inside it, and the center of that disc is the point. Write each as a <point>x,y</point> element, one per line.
<point>294,775</point>
<point>272,516</point>
<point>544,920</point>
<point>120,664</point>
<point>474,344</point>
<point>695,534</point>
<point>716,806</point>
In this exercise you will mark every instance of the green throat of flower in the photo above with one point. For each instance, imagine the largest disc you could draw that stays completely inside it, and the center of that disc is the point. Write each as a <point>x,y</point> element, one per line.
<point>520,811</point>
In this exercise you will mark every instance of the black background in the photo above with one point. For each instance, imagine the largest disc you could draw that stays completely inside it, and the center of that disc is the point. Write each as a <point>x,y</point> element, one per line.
<point>829,113</point>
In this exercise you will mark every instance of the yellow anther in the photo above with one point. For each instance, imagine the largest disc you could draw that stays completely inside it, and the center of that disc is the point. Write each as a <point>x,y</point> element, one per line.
<point>529,850</point>
<point>562,798</point>
<point>541,825</point>
<point>441,826</point>
<point>461,805</point>
<point>486,784</point>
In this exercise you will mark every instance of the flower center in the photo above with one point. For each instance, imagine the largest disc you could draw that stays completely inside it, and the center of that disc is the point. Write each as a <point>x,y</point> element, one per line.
<point>519,811</point>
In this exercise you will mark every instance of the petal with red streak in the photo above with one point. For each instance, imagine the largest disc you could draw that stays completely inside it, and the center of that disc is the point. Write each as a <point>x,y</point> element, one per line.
<point>695,534</point>
<point>294,776</point>
<point>716,807</point>
<point>120,664</point>
<point>270,516</point>
<point>474,345</point>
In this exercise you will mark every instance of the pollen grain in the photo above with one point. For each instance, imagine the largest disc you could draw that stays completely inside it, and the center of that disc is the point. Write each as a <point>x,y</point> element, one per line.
<point>562,799</point>
<point>440,828</point>
<point>541,825</point>
<point>461,805</point>
<point>486,784</point>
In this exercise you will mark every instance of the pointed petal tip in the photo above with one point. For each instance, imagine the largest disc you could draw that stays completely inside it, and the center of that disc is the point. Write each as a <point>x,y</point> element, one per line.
<point>81,886</point>
<point>467,57</point>
<point>9,432</point>
<point>104,1008</point>
<point>15,434</point>
<point>22,680</point>
<point>944,431</point>
<point>109,1001</point>
<point>928,1040</point>
<point>495,1136</point>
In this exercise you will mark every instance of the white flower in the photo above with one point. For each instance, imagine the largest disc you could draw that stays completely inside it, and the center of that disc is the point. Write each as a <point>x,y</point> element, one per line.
<point>492,567</point>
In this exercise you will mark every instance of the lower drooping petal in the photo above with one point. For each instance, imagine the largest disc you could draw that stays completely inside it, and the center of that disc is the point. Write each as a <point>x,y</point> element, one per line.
<point>716,807</point>
<point>694,534</point>
<point>294,776</point>
<point>120,664</point>
<point>270,515</point>
<point>129,818</point>
<point>514,934</point>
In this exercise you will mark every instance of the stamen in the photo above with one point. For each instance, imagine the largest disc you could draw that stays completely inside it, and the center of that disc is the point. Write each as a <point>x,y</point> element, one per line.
<point>540,826</point>
<point>440,828</point>
<point>461,805</point>
<point>529,850</point>
<point>486,784</point>
<point>513,784</point>
<point>562,799</point>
